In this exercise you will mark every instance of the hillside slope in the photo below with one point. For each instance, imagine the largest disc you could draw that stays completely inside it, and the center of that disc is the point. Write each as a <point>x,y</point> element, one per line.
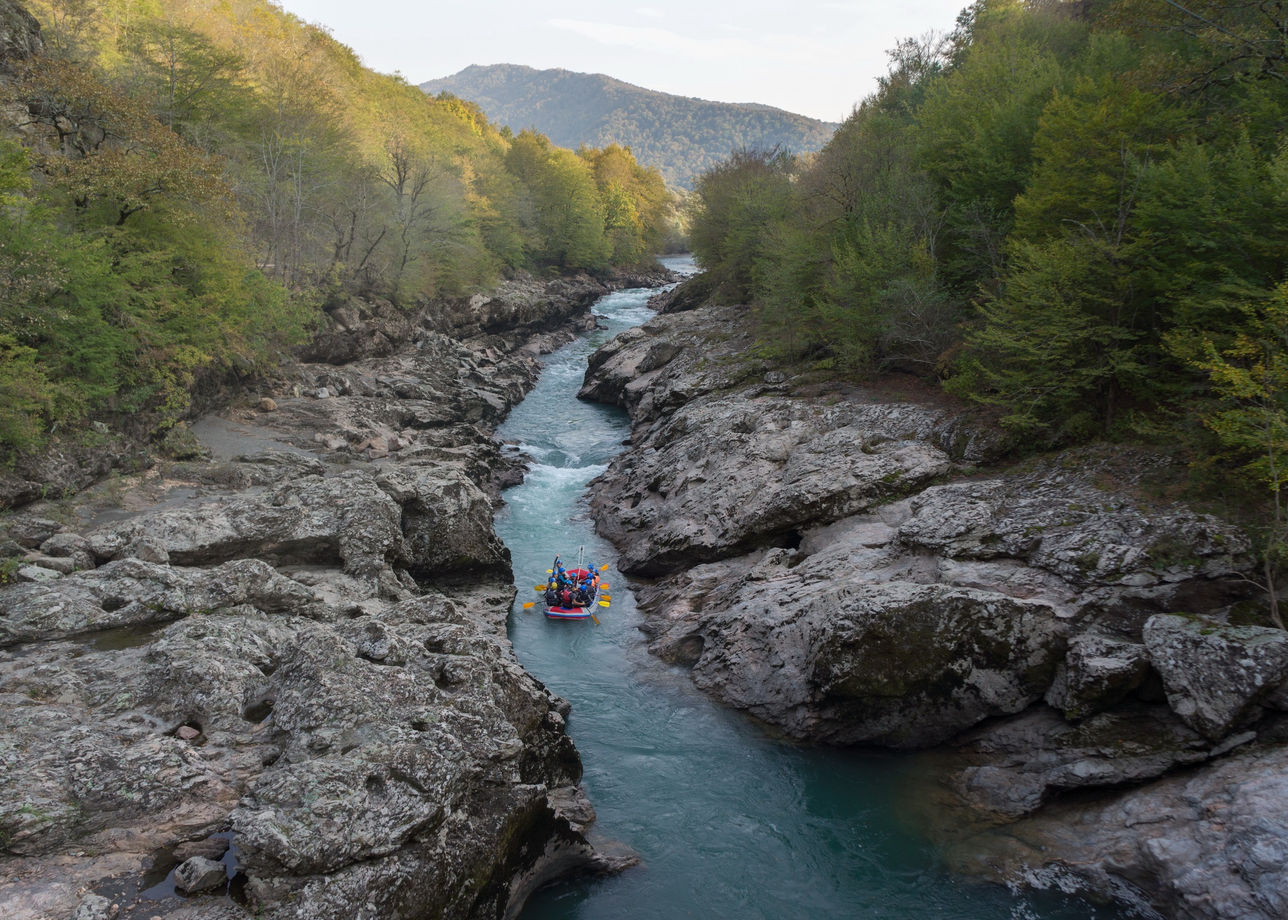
<point>681,136</point>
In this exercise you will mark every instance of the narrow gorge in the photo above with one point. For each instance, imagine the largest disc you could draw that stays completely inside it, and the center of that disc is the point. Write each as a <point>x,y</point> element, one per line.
<point>274,678</point>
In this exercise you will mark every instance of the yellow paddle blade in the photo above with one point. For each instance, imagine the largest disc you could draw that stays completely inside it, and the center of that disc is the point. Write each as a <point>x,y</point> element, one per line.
<point>550,571</point>
<point>604,567</point>
<point>594,619</point>
<point>604,604</point>
<point>605,585</point>
<point>605,597</point>
<point>538,587</point>
<point>528,604</point>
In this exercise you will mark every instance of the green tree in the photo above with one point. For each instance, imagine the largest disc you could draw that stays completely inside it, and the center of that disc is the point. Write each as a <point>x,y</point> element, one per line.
<point>1051,348</point>
<point>560,210</point>
<point>735,207</point>
<point>977,125</point>
<point>1250,378</point>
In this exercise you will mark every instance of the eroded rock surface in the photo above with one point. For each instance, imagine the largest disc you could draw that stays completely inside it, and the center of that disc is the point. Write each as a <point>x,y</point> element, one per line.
<point>1204,843</point>
<point>296,645</point>
<point>860,567</point>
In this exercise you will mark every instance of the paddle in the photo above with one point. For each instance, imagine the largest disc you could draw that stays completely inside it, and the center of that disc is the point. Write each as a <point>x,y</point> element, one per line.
<point>538,587</point>
<point>604,604</point>
<point>604,567</point>
<point>594,619</point>
<point>529,604</point>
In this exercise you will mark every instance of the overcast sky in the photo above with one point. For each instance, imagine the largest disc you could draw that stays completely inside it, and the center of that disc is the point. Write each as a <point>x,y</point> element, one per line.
<point>814,57</point>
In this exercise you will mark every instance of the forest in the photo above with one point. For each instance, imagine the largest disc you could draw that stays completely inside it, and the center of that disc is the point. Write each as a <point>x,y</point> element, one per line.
<point>186,184</point>
<point>1070,212</point>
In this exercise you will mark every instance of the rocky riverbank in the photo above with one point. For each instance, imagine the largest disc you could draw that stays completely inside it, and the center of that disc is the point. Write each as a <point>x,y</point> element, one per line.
<point>1086,660</point>
<point>275,675</point>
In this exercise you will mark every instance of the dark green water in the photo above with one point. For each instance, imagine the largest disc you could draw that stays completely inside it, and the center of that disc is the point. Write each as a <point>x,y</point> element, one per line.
<point>731,824</point>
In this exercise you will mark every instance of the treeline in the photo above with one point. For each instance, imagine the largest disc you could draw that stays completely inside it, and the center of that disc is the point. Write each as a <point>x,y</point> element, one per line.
<point>1075,212</point>
<point>189,182</point>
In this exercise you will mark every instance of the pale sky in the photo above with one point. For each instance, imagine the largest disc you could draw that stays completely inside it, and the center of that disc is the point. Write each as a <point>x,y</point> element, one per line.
<point>813,57</point>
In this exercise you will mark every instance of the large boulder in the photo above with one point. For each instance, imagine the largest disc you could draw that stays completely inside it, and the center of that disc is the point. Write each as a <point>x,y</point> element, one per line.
<point>1097,673</point>
<point>446,523</point>
<point>345,520</point>
<point>828,655</point>
<point>135,593</point>
<point>200,874</point>
<point>1216,674</point>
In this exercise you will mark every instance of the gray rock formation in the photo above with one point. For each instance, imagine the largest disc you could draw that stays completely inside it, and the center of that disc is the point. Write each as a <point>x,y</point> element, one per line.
<point>1009,769</point>
<point>199,874</point>
<point>1097,673</point>
<point>298,643</point>
<point>1201,844</point>
<point>1214,673</point>
<point>832,655</point>
<point>856,567</point>
<point>19,36</point>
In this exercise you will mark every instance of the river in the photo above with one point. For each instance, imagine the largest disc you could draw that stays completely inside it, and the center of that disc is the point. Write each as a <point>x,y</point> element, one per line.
<point>730,823</point>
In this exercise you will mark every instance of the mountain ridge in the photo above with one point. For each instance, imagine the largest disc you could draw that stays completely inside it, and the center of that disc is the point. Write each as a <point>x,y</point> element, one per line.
<point>682,136</point>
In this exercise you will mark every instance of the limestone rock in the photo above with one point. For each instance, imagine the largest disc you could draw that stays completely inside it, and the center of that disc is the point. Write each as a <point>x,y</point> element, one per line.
<point>212,848</point>
<point>31,531</point>
<point>136,593</point>
<point>66,545</point>
<point>446,523</point>
<point>1010,768</point>
<point>1203,844</point>
<point>718,479</point>
<point>95,907</point>
<point>1215,674</point>
<point>61,565</point>
<point>200,874</point>
<point>831,657</point>
<point>36,574</point>
<point>346,518</point>
<point>1097,673</point>
<point>1065,523</point>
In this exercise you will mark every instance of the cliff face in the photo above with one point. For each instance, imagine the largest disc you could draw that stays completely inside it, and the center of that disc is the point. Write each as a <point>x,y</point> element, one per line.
<point>281,666</point>
<point>19,36</point>
<point>860,569</point>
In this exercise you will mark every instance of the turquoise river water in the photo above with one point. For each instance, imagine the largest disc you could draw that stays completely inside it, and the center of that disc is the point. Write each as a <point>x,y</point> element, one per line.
<point>730,823</point>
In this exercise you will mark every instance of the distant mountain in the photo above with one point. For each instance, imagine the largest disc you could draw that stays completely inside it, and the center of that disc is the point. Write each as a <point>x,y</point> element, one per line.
<point>681,136</point>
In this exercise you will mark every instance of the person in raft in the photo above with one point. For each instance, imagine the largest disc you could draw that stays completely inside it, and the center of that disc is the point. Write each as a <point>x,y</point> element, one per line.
<point>586,590</point>
<point>565,590</point>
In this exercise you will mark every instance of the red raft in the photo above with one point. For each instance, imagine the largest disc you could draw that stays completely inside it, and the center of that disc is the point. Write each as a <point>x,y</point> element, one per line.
<point>579,605</point>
